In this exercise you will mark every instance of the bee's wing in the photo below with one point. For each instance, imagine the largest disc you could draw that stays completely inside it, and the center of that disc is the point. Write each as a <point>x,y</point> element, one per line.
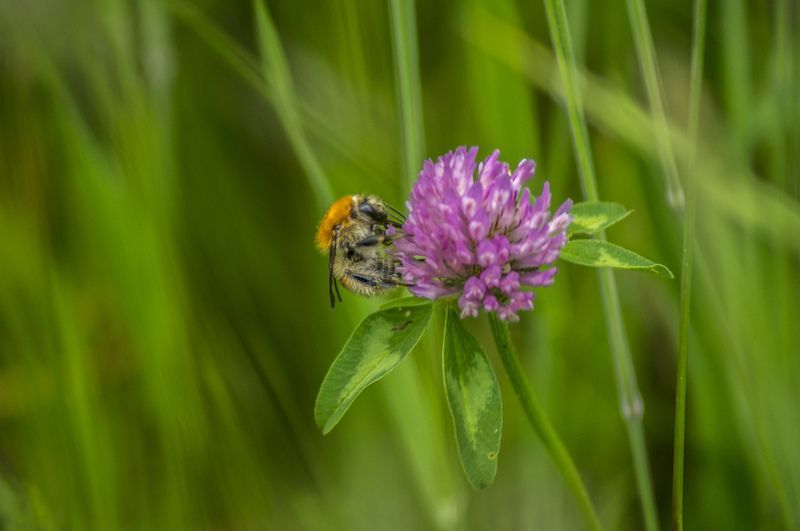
<point>331,280</point>
<point>400,216</point>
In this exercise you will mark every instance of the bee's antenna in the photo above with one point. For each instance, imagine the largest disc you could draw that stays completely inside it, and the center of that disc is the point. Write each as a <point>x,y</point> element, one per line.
<point>331,279</point>
<point>336,286</point>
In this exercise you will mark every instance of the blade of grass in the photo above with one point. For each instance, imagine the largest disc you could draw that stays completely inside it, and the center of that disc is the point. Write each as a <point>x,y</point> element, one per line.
<point>407,415</point>
<point>683,356</point>
<point>234,56</point>
<point>637,13</point>
<point>736,72</point>
<point>276,69</point>
<point>504,113</point>
<point>632,408</point>
<point>440,496</point>
<point>695,90</point>
<point>321,126</point>
<point>404,40</point>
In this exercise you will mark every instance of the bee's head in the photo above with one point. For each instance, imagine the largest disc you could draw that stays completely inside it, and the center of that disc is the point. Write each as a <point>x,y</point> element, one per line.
<point>369,208</point>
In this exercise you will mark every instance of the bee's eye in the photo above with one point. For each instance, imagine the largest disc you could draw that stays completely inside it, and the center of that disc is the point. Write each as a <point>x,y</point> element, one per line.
<point>350,254</point>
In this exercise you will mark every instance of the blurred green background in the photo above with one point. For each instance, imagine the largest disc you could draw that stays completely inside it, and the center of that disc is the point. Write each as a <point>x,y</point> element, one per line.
<point>164,320</point>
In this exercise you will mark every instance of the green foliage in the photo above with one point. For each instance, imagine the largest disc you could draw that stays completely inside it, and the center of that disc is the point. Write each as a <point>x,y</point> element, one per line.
<point>403,302</point>
<point>474,399</point>
<point>164,323</point>
<point>378,345</point>
<point>599,253</point>
<point>590,217</point>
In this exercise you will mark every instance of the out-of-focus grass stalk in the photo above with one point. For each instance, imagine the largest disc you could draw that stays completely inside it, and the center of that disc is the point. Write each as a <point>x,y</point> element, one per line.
<point>559,33</point>
<point>539,421</point>
<point>407,414</point>
<point>276,70</point>
<point>440,495</point>
<point>404,40</point>
<point>736,75</point>
<point>631,404</point>
<point>637,13</point>
<point>683,356</point>
<point>233,55</point>
<point>248,67</point>
<point>695,91</point>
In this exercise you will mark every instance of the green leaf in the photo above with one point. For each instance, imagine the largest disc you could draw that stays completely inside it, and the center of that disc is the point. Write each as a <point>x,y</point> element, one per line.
<point>404,301</point>
<point>473,396</point>
<point>378,345</point>
<point>599,253</point>
<point>593,216</point>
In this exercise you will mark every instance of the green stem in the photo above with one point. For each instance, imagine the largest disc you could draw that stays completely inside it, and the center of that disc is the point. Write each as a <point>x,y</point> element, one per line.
<point>631,405</point>
<point>683,356</point>
<point>686,271</point>
<point>539,422</point>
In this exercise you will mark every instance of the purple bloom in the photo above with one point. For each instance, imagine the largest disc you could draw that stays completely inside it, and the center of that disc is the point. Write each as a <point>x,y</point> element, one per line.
<point>480,239</point>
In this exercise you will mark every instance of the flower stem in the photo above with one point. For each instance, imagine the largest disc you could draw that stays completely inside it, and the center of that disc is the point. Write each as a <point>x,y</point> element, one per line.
<point>539,422</point>
<point>631,404</point>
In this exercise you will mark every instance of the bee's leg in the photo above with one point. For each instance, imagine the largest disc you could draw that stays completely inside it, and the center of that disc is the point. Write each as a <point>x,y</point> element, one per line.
<point>372,282</point>
<point>363,279</point>
<point>396,236</point>
<point>369,241</point>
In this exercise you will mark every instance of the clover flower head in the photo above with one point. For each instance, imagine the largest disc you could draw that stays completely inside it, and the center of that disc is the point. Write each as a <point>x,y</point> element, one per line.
<point>480,237</point>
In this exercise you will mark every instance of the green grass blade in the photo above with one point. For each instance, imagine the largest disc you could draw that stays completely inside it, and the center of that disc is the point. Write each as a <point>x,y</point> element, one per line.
<point>632,407</point>
<point>404,40</point>
<point>276,69</point>
<point>736,71</point>
<point>439,493</point>
<point>683,361</point>
<point>695,91</point>
<point>645,50</point>
<point>562,46</point>
<point>504,113</point>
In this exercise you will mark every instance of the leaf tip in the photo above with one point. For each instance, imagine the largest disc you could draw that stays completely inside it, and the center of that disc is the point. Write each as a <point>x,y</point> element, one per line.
<point>483,482</point>
<point>325,424</point>
<point>664,271</point>
<point>320,417</point>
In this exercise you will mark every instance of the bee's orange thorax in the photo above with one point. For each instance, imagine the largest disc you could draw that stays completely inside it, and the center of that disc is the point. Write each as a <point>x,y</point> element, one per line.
<point>336,214</point>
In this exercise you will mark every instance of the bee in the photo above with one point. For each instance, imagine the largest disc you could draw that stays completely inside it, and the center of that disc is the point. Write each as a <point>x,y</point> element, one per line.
<point>353,233</point>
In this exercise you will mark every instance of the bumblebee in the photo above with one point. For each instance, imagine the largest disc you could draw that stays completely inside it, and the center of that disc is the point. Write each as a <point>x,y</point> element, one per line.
<point>353,233</point>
